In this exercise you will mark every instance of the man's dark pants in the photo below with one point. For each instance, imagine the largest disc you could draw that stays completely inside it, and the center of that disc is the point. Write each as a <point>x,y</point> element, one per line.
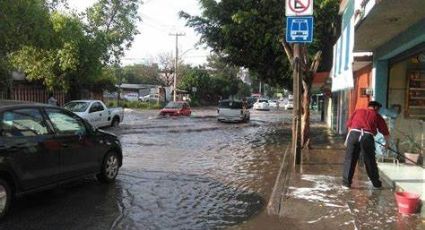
<point>356,145</point>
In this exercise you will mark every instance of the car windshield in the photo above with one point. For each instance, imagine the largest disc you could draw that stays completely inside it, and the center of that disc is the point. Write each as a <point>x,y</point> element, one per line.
<point>77,106</point>
<point>174,105</point>
<point>230,104</point>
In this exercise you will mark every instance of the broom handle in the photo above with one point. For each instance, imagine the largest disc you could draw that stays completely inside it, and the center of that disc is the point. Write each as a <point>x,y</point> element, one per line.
<point>398,153</point>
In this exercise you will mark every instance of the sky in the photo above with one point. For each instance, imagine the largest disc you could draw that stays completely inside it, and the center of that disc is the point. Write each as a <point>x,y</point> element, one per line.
<point>159,19</point>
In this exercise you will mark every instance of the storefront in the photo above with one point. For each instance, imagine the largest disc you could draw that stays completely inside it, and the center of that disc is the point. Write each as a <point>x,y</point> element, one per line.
<point>406,94</point>
<point>394,31</point>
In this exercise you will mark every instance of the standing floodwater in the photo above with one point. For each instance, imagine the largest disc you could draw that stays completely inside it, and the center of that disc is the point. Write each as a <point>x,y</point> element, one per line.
<point>178,173</point>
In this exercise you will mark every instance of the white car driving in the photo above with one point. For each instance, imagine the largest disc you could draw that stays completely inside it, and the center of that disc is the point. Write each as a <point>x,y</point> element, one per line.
<point>289,104</point>
<point>262,104</point>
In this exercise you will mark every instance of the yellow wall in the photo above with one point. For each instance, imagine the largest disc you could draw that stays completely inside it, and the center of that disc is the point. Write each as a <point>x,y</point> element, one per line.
<point>397,95</point>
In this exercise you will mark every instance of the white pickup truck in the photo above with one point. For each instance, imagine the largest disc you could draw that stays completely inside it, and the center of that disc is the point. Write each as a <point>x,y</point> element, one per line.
<point>96,113</point>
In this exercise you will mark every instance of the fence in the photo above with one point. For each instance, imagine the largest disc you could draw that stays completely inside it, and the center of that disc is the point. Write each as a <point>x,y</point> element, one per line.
<point>40,94</point>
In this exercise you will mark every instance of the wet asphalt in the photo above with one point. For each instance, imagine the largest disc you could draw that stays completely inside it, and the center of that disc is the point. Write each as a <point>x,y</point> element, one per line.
<point>178,173</point>
<point>196,173</point>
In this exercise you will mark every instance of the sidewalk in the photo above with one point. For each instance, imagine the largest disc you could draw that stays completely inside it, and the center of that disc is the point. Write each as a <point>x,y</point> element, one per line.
<point>313,197</point>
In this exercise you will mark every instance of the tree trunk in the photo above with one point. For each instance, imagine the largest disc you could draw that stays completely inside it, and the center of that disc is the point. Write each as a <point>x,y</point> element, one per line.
<point>305,117</point>
<point>307,81</point>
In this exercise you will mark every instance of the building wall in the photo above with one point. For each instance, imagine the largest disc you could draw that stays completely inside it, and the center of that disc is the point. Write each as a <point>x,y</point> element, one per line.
<point>390,80</point>
<point>328,111</point>
<point>397,96</point>
<point>362,80</point>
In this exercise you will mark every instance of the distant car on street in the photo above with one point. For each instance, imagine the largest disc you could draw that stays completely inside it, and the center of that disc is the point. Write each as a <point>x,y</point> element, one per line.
<point>233,110</point>
<point>42,146</point>
<point>273,104</point>
<point>261,104</point>
<point>149,97</point>
<point>131,97</point>
<point>289,104</point>
<point>96,113</point>
<point>177,108</point>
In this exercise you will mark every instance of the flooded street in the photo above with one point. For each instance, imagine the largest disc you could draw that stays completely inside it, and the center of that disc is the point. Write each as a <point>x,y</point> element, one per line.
<point>178,173</point>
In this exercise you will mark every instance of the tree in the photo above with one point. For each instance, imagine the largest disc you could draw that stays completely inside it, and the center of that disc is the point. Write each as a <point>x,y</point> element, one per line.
<point>55,64</point>
<point>214,81</point>
<point>326,15</point>
<point>201,80</point>
<point>249,34</point>
<point>22,23</point>
<point>79,47</point>
<point>142,74</point>
<point>112,23</point>
<point>220,69</point>
<point>166,63</point>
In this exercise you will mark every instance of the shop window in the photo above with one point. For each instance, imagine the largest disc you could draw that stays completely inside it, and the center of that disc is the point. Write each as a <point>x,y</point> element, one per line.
<point>415,98</point>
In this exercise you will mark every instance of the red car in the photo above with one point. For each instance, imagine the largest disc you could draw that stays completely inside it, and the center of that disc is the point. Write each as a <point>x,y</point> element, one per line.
<point>176,108</point>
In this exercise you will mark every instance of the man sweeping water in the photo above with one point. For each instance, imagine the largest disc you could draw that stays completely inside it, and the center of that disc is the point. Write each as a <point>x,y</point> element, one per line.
<point>363,125</point>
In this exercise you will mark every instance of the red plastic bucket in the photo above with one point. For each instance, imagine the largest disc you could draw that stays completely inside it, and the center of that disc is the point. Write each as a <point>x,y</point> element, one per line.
<point>407,202</point>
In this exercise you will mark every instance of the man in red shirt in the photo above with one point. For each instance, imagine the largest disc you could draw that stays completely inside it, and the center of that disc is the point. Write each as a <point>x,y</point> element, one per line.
<point>363,125</point>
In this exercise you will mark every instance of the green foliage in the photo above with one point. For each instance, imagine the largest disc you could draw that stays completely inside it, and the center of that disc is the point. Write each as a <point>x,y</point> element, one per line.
<point>142,74</point>
<point>410,144</point>
<point>211,85</point>
<point>326,30</point>
<point>134,104</point>
<point>249,34</point>
<point>113,24</point>
<point>23,23</point>
<point>66,51</point>
<point>140,105</point>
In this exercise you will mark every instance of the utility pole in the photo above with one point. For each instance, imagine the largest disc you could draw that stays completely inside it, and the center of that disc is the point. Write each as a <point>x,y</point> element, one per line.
<point>177,35</point>
<point>259,89</point>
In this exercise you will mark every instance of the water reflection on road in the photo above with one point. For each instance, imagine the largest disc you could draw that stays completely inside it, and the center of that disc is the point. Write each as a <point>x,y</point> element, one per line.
<point>198,173</point>
<point>178,173</point>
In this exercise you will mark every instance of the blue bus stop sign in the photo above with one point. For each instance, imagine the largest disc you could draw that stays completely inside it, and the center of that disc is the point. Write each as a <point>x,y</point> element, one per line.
<point>299,29</point>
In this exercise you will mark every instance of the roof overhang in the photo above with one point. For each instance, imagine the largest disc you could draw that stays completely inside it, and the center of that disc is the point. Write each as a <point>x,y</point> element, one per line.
<point>361,60</point>
<point>386,20</point>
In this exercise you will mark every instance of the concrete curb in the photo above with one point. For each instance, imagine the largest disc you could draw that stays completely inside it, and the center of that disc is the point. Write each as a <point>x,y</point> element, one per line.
<point>280,188</point>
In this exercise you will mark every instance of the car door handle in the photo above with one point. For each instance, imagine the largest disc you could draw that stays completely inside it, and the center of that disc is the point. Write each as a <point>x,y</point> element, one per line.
<point>100,115</point>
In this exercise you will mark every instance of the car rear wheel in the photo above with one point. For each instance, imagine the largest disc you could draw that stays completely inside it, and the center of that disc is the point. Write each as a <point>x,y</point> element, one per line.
<point>115,122</point>
<point>5,197</point>
<point>109,169</point>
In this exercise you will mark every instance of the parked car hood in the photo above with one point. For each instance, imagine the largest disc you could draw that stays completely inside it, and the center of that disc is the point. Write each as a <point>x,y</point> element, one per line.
<point>106,133</point>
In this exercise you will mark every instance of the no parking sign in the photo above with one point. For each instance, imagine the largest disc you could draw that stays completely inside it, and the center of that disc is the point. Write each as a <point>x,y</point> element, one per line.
<point>299,7</point>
